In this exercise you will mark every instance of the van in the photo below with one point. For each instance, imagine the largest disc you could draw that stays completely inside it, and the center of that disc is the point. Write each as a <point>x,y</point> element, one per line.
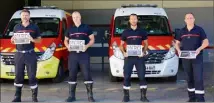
<point>52,55</point>
<point>162,60</point>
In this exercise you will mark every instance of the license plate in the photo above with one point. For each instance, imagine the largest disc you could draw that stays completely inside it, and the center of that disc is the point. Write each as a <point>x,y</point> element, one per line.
<point>21,38</point>
<point>134,50</point>
<point>13,70</point>
<point>152,67</point>
<point>76,45</point>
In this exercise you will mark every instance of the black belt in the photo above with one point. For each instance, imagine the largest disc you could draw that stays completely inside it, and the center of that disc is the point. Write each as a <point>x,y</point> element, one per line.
<point>25,51</point>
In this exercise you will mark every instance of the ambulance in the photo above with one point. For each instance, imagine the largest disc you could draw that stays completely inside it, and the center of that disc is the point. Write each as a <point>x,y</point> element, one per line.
<point>162,60</point>
<point>52,54</point>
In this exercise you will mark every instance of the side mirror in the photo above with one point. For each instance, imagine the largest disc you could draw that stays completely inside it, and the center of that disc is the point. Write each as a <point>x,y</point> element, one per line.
<point>107,35</point>
<point>1,35</point>
<point>176,32</point>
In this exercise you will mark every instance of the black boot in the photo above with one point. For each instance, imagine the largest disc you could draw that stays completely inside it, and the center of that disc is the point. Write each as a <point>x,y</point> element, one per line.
<point>191,100</point>
<point>200,98</point>
<point>143,95</point>
<point>18,94</point>
<point>34,94</point>
<point>72,89</point>
<point>192,97</point>
<point>126,95</point>
<point>89,87</point>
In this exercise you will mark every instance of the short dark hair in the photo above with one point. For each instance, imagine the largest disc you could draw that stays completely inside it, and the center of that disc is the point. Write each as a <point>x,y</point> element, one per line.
<point>190,13</point>
<point>25,10</point>
<point>133,14</point>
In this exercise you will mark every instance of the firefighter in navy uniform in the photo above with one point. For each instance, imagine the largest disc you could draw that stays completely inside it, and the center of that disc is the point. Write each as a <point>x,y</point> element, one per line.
<point>79,58</point>
<point>134,36</point>
<point>26,57</point>
<point>193,38</point>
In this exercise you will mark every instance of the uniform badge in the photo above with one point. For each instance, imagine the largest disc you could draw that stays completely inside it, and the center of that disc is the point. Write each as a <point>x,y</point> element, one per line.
<point>188,37</point>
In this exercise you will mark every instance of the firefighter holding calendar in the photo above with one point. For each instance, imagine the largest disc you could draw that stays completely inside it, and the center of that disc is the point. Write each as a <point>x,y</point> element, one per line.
<point>25,56</point>
<point>193,38</point>
<point>134,36</point>
<point>76,35</point>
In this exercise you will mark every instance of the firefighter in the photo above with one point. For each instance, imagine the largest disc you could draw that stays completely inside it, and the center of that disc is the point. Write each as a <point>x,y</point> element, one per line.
<point>79,31</point>
<point>25,56</point>
<point>134,36</point>
<point>193,38</point>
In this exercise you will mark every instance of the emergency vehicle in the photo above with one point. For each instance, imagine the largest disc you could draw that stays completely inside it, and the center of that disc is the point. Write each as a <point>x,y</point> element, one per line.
<point>162,60</point>
<point>51,52</point>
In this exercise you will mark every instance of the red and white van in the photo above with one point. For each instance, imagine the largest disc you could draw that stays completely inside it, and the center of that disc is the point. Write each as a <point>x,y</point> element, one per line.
<point>52,53</point>
<point>162,60</point>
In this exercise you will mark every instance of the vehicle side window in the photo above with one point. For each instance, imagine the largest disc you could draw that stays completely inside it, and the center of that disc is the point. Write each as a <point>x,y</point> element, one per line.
<point>164,25</point>
<point>64,28</point>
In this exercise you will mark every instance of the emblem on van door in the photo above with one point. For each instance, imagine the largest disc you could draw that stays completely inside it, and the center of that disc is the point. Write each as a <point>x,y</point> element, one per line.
<point>157,13</point>
<point>50,15</point>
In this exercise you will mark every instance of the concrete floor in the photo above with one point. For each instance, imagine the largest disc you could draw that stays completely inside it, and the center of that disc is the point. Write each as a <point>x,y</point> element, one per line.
<point>159,90</point>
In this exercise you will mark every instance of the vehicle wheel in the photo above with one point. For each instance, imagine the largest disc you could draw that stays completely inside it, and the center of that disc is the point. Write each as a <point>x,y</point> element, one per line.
<point>172,79</point>
<point>60,73</point>
<point>1,81</point>
<point>180,67</point>
<point>112,78</point>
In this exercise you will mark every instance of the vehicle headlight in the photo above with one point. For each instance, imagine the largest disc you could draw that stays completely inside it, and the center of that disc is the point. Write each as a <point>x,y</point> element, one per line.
<point>48,53</point>
<point>117,52</point>
<point>171,53</point>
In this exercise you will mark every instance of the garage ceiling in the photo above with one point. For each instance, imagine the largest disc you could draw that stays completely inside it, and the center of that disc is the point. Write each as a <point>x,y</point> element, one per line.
<point>110,4</point>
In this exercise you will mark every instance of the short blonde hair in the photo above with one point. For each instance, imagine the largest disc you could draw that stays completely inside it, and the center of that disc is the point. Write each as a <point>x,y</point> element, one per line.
<point>190,13</point>
<point>76,12</point>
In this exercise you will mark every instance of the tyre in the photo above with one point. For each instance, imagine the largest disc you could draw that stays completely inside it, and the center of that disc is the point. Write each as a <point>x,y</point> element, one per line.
<point>60,73</point>
<point>172,79</point>
<point>1,81</point>
<point>112,78</point>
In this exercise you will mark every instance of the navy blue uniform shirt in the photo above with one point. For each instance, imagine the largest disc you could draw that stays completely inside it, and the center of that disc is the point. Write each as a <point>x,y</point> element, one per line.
<point>79,33</point>
<point>134,37</point>
<point>191,40</point>
<point>34,33</point>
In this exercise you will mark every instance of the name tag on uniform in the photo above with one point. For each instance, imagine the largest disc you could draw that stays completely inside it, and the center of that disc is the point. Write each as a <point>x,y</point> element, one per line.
<point>134,50</point>
<point>21,38</point>
<point>187,54</point>
<point>76,45</point>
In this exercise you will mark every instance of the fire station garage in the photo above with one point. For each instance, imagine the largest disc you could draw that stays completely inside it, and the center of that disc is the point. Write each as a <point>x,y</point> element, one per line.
<point>99,13</point>
<point>164,73</point>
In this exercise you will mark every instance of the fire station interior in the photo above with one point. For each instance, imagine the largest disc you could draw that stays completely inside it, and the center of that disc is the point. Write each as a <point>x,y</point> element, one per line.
<point>98,15</point>
<point>103,11</point>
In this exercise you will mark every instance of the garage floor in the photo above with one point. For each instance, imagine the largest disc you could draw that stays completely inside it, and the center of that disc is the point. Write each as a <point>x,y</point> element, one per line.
<point>159,90</point>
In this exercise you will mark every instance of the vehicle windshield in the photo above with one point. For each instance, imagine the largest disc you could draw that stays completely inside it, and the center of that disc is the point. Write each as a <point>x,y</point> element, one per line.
<point>49,27</point>
<point>152,24</point>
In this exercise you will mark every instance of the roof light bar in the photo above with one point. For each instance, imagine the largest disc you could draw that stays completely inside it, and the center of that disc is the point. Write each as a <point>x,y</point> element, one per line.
<point>139,5</point>
<point>40,7</point>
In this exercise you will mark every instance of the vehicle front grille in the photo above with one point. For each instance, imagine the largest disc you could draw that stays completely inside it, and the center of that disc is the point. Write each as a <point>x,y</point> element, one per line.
<point>8,58</point>
<point>155,58</point>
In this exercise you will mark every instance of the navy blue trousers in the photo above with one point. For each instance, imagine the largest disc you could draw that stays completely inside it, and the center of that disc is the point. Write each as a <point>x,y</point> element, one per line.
<point>139,63</point>
<point>194,71</point>
<point>28,60</point>
<point>81,60</point>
